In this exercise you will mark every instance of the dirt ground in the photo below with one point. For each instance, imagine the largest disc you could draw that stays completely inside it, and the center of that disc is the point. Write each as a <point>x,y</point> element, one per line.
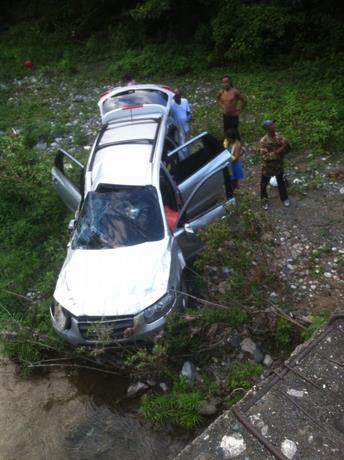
<point>309,235</point>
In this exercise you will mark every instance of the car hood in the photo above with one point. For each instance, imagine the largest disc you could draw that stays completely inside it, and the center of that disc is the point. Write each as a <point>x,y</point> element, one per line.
<point>111,282</point>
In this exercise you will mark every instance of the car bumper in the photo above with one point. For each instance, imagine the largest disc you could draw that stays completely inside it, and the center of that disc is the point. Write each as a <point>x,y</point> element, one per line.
<point>140,332</point>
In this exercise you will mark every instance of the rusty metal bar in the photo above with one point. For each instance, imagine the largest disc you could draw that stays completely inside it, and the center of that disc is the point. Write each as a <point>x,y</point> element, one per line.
<point>257,434</point>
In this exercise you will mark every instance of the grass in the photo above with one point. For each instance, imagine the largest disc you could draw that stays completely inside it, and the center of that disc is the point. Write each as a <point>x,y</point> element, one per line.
<point>240,378</point>
<point>180,406</point>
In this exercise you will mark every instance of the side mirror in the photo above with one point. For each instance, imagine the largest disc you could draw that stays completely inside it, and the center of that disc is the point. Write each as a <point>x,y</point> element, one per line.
<point>71,225</point>
<point>189,229</point>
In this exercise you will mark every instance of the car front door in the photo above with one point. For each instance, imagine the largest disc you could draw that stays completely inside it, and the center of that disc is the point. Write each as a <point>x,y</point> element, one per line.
<point>193,216</point>
<point>204,155</point>
<point>66,187</point>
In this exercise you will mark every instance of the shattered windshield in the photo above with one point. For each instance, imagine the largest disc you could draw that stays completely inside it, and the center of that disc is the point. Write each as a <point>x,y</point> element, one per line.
<point>117,217</point>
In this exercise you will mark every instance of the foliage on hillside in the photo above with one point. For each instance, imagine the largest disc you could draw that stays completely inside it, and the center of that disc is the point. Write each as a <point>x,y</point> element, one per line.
<point>187,36</point>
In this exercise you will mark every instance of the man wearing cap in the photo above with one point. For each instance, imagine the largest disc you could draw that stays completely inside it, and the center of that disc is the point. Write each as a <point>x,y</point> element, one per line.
<point>273,147</point>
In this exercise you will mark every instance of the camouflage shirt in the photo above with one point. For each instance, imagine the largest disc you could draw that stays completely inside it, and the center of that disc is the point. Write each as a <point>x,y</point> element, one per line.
<point>272,162</point>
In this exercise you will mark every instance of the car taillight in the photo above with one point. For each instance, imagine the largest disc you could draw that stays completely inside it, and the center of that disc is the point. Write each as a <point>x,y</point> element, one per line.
<point>104,94</point>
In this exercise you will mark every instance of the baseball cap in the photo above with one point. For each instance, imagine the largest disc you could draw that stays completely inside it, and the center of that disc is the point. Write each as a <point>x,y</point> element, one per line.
<point>268,123</point>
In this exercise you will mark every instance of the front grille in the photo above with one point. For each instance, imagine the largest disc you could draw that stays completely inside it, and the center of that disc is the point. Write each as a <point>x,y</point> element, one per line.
<point>104,329</point>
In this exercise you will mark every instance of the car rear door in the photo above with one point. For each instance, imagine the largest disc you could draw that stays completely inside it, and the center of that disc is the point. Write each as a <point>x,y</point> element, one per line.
<point>69,188</point>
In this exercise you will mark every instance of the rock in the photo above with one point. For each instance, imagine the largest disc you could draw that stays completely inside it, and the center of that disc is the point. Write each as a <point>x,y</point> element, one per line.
<point>235,341</point>
<point>78,98</point>
<point>248,345</point>
<point>41,146</point>
<point>267,360</point>
<point>207,409</point>
<point>258,355</point>
<point>163,386</point>
<point>189,371</point>
<point>222,287</point>
<point>233,445</point>
<point>264,430</point>
<point>341,191</point>
<point>137,388</point>
<point>296,393</point>
<point>288,448</point>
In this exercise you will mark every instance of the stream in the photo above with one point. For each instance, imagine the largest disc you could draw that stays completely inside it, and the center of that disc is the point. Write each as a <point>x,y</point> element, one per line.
<point>76,415</point>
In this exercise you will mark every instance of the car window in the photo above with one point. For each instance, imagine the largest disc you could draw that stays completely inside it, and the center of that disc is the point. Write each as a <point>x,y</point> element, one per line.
<point>210,194</point>
<point>198,154</point>
<point>135,97</point>
<point>119,216</point>
<point>132,131</point>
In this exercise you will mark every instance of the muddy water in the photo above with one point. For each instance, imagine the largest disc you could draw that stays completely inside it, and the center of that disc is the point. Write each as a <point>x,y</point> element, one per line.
<point>74,416</point>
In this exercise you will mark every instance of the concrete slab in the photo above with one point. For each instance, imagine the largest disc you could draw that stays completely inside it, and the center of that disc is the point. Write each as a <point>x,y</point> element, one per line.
<point>297,414</point>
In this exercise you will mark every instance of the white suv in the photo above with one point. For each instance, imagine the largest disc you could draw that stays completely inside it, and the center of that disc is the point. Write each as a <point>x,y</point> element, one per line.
<point>137,211</point>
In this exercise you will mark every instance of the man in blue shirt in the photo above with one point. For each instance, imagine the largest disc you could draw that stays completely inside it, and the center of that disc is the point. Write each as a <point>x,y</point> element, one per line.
<point>181,112</point>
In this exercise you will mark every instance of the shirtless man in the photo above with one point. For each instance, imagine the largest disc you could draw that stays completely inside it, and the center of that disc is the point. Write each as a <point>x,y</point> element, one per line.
<point>228,99</point>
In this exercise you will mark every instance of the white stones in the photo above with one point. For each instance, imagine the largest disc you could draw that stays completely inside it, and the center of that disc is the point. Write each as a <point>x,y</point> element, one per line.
<point>295,393</point>
<point>288,448</point>
<point>189,371</point>
<point>267,360</point>
<point>341,190</point>
<point>264,430</point>
<point>248,345</point>
<point>233,445</point>
<point>137,388</point>
<point>163,386</point>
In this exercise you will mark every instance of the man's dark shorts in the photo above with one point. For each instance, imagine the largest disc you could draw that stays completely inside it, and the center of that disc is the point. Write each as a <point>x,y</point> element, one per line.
<point>231,121</point>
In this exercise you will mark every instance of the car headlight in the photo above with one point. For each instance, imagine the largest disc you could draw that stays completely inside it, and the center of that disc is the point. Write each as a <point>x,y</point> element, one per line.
<point>61,316</point>
<point>160,308</point>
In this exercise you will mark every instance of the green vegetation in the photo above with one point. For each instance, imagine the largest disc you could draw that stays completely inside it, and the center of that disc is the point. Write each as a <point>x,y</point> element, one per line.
<point>283,334</point>
<point>180,406</point>
<point>317,322</point>
<point>240,378</point>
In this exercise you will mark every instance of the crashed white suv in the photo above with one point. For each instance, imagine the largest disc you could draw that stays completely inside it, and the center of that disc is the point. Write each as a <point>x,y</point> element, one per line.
<point>137,211</point>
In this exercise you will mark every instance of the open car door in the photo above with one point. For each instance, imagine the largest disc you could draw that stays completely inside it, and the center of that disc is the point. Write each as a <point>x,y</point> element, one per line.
<point>66,187</point>
<point>201,156</point>
<point>194,216</point>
